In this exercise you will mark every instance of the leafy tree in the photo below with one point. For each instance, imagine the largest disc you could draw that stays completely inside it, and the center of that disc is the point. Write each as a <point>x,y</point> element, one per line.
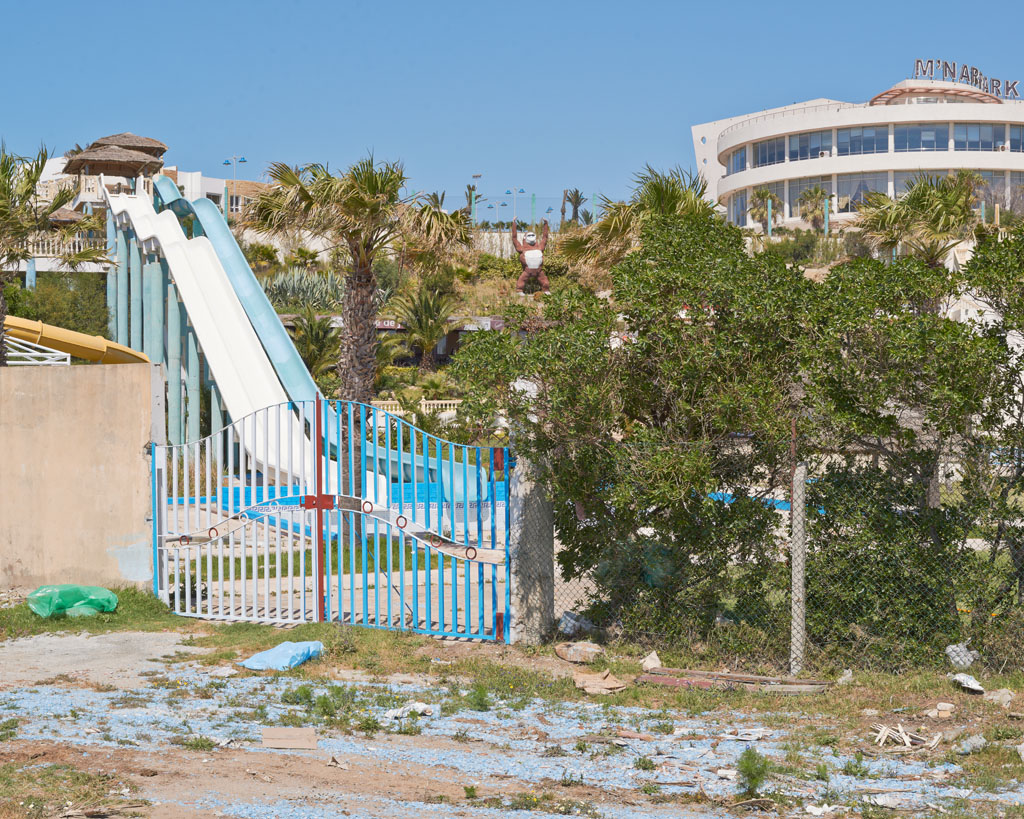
<point>759,200</point>
<point>657,195</point>
<point>468,209</point>
<point>363,211</point>
<point>575,199</point>
<point>586,217</point>
<point>262,258</point>
<point>426,316</point>
<point>927,222</point>
<point>74,301</point>
<point>812,206</point>
<point>23,216</point>
<point>303,258</point>
<point>629,412</point>
<point>316,339</point>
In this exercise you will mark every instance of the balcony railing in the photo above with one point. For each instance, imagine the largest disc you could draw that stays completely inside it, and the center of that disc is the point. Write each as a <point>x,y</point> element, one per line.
<point>43,247</point>
<point>425,406</point>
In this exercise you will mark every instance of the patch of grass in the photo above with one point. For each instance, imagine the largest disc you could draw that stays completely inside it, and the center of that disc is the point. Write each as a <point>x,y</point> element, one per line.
<point>49,789</point>
<point>136,610</point>
<point>462,735</point>
<point>478,698</point>
<point>581,747</point>
<point>194,743</point>
<point>8,729</point>
<point>369,726</point>
<point>644,763</point>
<point>409,728</point>
<point>553,750</point>
<point>856,766</point>
<point>662,728</point>
<point>821,772</point>
<point>303,695</point>
<point>650,788</point>
<point>570,781</point>
<point>549,804</point>
<point>470,791</point>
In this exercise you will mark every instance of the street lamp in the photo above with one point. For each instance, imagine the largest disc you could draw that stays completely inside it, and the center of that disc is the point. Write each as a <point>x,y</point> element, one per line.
<point>233,162</point>
<point>512,192</point>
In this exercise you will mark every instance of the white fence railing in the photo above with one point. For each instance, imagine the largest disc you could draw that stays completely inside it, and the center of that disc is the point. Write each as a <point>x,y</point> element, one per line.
<point>52,247</point>
<point>395,408</point>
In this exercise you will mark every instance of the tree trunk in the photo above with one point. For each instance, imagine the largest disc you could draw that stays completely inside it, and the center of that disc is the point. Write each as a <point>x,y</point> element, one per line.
<point>357,361</point>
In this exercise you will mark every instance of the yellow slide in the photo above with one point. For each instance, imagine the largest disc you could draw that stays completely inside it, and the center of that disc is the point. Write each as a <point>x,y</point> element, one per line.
<point>80,345</point>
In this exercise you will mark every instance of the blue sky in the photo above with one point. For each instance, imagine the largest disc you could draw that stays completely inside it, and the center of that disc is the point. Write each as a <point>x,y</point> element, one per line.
<point>534,95</point>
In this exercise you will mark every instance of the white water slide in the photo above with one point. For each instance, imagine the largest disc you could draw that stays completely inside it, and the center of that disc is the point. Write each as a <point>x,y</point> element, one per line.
<point>244,374</point>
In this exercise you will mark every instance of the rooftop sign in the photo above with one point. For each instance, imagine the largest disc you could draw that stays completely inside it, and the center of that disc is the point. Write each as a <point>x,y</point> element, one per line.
<point>967,75</point>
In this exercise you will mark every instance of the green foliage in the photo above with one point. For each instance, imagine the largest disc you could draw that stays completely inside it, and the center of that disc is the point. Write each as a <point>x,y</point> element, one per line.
<point>427,318</point>
<point>644,763</point>
<point>74,301</point>
<point>799,248</point>
<point>478,698</point>
<point>753,769</point>
<point>492,267</point>
<point>296,289</point>
<point>317,340</point>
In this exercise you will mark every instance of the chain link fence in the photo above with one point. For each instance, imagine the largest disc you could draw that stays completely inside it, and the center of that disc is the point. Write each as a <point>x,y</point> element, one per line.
<point>822,562</point>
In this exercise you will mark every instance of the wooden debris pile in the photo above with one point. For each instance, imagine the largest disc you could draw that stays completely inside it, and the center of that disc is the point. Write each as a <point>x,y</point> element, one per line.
<point>902,737</point>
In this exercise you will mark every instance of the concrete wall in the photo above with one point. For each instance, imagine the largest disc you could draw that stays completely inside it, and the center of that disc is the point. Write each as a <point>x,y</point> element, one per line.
<point>75,502</point>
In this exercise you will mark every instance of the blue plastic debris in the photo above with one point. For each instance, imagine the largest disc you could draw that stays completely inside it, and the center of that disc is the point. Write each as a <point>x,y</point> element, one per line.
<point>284,655</point>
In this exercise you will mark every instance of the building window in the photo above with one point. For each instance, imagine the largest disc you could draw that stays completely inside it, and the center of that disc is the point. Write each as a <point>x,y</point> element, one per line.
<point>1017,138</point>
<point>978,136</point>
<point>927,137</point>
<point>798,186</point>
<point>770,152</point>
<point>737,161</point>
<point>853,187</point>
<point>851,141</point>
<point>738,209</point>
<point>214,197</point>
<point>810,145</point>
<point>235,204</point>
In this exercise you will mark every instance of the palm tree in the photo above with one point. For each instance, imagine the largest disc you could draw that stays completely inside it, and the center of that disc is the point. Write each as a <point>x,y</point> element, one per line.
<point>932,218</point>
<point>304,258</point>
<point>575,200</point>
<point>470,190</point>
<point>435,200</point>
<point>316,340</point>
<point>617,232</point>
<point>261,257</point>
<point>586,217</point>
<point>426,317</point>
<point>23,215</point>
<point>759,200</point>
<point>363,211</point>
<point>812,206</point>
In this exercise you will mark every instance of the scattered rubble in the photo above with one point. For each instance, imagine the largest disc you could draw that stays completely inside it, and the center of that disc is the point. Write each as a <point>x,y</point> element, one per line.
<point>968,683</point>
<point>845,678</point>
<point>1002,697</point>
<point>972,744</point>
<point>603,683</point>
<point>900,736</point>
<point>942,710</point>
<point>572,624</point>
<point>418,708</point>
<point>579,652</point>
<point>651,662</point>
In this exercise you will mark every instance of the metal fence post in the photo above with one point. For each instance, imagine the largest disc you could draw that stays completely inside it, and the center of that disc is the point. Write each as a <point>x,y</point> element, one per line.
<point>798,560</point>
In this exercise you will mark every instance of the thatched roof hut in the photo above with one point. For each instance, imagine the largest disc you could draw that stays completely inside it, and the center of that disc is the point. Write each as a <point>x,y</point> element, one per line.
<point>113,160</point>
<point>133,142</point>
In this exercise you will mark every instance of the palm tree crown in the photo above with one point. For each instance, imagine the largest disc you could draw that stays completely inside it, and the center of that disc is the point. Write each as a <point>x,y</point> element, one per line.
<point>364,212</point>
<point>426,316</point>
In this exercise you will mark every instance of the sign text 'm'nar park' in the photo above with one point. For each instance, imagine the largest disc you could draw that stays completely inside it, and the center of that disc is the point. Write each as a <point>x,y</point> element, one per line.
<point>967,74</point>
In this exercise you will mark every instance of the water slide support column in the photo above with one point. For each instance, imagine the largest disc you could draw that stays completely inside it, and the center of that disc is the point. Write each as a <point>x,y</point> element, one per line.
<point>192,384</point>
<point>216,411</point>
<point>153,286</point>
<point>174,429</point>
<point>122,288</point>
<point>135,276</point>
<point>111,277</point>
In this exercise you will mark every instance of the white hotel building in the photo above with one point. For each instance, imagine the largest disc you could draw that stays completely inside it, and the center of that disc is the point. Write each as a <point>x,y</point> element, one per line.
<point>941,119</point>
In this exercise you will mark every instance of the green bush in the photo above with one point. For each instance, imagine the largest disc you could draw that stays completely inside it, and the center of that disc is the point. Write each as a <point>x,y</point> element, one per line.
<point>74,301</point>
<point>492,267</point>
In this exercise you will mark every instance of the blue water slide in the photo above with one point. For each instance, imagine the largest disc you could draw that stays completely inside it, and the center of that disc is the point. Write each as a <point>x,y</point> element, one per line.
<point>290,369</point>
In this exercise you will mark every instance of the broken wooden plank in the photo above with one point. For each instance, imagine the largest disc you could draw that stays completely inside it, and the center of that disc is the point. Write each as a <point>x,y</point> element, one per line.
<point>734,677</point>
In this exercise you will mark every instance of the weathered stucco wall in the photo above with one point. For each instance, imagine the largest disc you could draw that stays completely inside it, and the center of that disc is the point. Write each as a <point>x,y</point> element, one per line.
<point>74,474</point>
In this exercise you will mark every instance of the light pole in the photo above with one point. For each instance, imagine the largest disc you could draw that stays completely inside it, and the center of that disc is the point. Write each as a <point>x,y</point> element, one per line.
<point>233,162</point>
<point>512,192</point>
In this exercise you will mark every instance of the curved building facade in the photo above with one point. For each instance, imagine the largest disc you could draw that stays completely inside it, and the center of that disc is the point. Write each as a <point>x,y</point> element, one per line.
<point>939,121</point>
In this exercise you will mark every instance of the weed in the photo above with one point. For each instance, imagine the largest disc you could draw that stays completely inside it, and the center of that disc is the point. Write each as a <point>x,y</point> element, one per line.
<point>194,743</point>
<point>410,729</point>
<point>753,769</point>
<point>821,772</point>
<point>303,695</point>
<point>291,720</point>
<point>462,735</point>
<point>856,766</point>
<point>369,726</point>
<point>650,788</point>
<point>581,747</point>
<point>569,781</point>
<point>644,763</point>
<point>553,750</point>
<point>470,791</point>
<point>662,728</point>
<point>478,698</point>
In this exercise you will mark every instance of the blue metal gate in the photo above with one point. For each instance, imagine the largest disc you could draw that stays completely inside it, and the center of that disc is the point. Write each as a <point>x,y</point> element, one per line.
<point>313,511</point>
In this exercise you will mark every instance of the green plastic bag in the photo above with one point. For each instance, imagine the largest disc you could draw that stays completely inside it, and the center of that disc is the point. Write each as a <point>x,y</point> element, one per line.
<point>72,600</point>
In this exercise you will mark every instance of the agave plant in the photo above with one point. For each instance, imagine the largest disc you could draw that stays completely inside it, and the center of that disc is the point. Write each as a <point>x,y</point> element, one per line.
<point>299,288</point>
